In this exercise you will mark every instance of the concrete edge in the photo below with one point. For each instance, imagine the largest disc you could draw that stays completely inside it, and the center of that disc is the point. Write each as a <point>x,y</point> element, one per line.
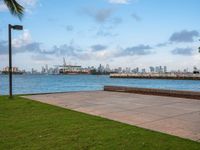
<point>158,92</point>
<point>47,93</point>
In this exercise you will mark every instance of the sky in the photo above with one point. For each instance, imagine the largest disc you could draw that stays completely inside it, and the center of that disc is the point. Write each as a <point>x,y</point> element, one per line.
<point>121,33</point>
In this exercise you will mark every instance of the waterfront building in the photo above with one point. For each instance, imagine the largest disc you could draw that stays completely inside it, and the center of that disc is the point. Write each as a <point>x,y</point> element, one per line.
<point>107,69</point>
<point>56,70</point>
<point>118,70</point>
<point>165,69</point>
<point>152,69</point>
<point>195,70</point>
<point>15,70</point>
<point>136,70</point>
<point>143,70</point>
<point>100,68</point>
<point>185,70</point>
<point>46,68</point>
<point>44,71</point>
<point>159,69</point>
<point>127,70</point>
<point>34,71</point>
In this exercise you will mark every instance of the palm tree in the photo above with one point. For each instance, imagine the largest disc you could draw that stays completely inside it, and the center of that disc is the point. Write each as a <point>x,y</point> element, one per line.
<point>15,8</point>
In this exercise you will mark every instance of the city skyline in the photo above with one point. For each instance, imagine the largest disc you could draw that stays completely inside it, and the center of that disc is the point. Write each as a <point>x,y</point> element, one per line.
<point>123,33</point>
<point>45,69</point>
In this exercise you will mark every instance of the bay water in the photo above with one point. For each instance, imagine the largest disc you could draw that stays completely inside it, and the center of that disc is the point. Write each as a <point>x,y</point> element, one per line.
<point>30,84</point>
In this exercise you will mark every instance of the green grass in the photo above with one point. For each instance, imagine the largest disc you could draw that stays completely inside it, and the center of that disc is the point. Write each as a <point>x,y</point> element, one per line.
<point>26,124</point>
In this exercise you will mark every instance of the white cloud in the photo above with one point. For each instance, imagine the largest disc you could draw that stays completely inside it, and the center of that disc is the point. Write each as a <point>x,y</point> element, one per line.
<point>29,3</point>
<point>23,39</point>
<point>119,1</point>
<point>2,6</point>
<point>99,15</point>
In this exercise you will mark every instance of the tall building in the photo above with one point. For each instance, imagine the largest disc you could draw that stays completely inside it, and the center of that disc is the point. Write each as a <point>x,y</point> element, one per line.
<point>33,71</point>
<point>107,69</point>
<point>43,70</point>
<point>159,69</point>
<point>136,70</point>
<point>100,68</point>
<point>120,69</point>
<point>46,69</point>
<point>127,70</point>
<point>143,70</point>
<point>165,69</point>
<point>152,69</point>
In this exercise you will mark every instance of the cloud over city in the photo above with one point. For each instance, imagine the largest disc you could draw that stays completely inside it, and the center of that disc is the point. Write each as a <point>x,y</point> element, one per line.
<point>135,50</point>
<point>100,15</point>
<point>184,36</point>
<point>98,47</point>
<point>119,1</point>
<point>183,51</point>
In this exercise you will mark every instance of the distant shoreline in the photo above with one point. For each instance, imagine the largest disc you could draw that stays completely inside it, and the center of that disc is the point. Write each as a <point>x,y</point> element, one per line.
<point>57,74</point>
<point>158,76</point>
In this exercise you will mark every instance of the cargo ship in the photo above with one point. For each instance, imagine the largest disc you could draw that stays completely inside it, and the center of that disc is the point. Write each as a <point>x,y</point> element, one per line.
<point>72,69</point>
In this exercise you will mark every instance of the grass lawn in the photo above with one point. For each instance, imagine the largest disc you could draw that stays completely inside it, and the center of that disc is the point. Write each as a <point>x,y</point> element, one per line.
<point>26,124</point>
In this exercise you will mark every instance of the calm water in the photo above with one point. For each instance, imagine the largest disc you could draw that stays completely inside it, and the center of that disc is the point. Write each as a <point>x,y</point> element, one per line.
<point>24,84</point>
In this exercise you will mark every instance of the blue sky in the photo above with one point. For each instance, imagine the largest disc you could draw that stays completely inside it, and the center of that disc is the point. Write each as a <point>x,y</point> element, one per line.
<point>122,33</point>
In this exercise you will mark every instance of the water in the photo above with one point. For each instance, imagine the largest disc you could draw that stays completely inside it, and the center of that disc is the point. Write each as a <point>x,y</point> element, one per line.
<point>26,84</point>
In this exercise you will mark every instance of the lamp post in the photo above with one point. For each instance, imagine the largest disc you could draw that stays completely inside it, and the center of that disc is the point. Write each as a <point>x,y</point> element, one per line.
<point>199,47</point>
<point>10,27</point>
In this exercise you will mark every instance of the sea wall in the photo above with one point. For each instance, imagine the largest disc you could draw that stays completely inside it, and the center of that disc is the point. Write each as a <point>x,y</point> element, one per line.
<point>158,92</point>
<point>158,76</point>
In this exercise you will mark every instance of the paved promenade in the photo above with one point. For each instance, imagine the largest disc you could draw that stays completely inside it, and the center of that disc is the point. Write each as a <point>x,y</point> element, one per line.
<point>176,116</point>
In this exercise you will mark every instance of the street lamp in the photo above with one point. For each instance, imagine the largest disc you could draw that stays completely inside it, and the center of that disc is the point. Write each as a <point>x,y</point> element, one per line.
<point>199,47</point>
<point>10,27</point>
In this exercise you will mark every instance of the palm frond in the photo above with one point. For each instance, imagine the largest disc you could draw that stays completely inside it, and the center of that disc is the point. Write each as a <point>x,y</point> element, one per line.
<point>15,8</point>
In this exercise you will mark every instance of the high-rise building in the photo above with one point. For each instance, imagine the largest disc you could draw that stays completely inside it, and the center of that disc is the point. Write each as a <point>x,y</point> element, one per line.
<point>152,69</point>
<point>120,69</point>
<point>135,70</point>
<point>33,71</point>
<point>143,70</point>
<point>127,70</point>
<point>107,69</point>
<point>161,69</point>
<point>43,70</point>
<point>100,68</point>
<point>46,68</point>
<point>165,69</point>
<point>157,69</point>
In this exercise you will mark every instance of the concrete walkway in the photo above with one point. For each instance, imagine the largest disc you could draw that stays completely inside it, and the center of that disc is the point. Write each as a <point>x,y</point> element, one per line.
<point>176,116</point>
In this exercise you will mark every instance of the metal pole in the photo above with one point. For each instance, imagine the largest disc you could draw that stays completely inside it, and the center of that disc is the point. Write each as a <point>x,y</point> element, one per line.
<point>199,47</point>
<point>10,60</point>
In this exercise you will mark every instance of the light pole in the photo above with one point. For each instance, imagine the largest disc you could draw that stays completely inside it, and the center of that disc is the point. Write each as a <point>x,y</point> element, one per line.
<point>10,27</point>
<point>199,47</point>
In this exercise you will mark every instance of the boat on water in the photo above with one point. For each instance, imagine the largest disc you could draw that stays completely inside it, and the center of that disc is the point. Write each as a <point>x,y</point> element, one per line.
<point>72,69</point>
